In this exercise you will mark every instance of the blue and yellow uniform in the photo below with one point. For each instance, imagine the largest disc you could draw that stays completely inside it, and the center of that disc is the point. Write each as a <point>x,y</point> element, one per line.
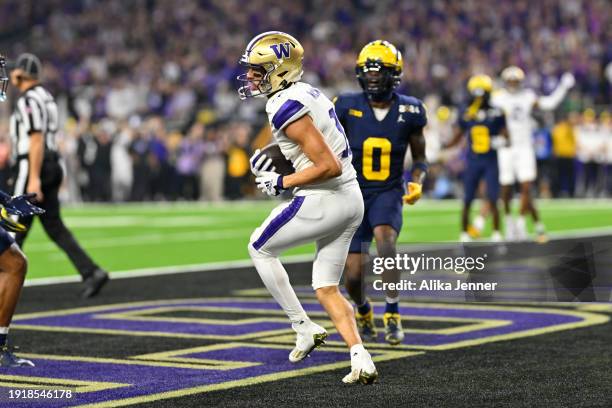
<point>480,127</point>
<point>379,148</point>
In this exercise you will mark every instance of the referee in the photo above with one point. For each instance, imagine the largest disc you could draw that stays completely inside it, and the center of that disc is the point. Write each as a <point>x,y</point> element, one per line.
<point>37,170</point>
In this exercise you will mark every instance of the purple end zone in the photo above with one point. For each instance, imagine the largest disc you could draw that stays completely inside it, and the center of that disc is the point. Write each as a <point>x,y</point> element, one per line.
<point>519,320</point>
<point>146,380</point>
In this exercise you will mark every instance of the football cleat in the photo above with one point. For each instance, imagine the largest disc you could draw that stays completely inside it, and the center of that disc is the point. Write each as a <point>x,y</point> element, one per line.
<point>473,232</point>
<point>394,334</point>
<point>496,236</point>
<point>541,238</point>
<point>366,326</point>
<point>309,336</point>
<point>94,283</point>
<point>9,359</point>
<point>362,369</point>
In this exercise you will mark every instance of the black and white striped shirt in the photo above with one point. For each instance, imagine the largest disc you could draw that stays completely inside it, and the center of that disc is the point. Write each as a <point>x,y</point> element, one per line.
<point>35,111</point>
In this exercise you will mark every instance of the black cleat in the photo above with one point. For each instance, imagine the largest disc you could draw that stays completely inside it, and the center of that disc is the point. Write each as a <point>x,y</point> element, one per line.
<point>8,359</point>
<point>94,283</point>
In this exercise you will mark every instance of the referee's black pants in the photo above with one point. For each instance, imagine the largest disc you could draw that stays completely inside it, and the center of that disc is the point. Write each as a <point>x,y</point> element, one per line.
<point>54,226</point>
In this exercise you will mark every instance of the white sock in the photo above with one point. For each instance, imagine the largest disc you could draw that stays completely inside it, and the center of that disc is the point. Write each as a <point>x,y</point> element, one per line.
<point>357,349</point>
<point>465,237</point>
<point>275,277</point>
<point>540,228</point>
<point>4,330</point>
<point>521,226</point>
<point>479,222</point>
<point>391,300</point>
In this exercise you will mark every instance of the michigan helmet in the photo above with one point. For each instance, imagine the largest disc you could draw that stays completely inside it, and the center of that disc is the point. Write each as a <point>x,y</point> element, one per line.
<point>3,79</point>
<point>513,76</point>
<point>379,70</point>
<point>479,85</point>
<point>276,58</point>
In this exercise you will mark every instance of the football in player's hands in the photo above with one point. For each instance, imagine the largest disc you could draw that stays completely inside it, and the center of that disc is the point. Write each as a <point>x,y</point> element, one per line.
<point>279,162</point>
<point>260,163</point>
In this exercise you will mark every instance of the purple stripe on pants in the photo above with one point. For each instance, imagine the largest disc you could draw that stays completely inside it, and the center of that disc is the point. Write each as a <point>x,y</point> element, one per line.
<point>281,219</point>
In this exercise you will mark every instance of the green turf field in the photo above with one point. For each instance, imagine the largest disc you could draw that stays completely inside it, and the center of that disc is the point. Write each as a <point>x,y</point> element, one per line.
<point>124,237</point>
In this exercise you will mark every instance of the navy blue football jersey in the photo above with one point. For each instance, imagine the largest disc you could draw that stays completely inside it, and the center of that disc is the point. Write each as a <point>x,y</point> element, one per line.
<point>479,130</point>
<point>379,147</point>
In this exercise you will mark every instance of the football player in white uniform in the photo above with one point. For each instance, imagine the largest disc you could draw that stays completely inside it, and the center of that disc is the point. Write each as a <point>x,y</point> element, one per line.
<point>517,162</point>
<point>327,206</point>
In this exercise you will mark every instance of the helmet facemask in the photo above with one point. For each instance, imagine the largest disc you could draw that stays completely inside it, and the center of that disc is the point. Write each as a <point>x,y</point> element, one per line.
<point>377,80</point>
<point>4,80</point>
<point>255,82</point>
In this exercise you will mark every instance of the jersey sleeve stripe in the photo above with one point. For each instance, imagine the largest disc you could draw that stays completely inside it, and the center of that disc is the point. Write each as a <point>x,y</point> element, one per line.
<point>286,112</point>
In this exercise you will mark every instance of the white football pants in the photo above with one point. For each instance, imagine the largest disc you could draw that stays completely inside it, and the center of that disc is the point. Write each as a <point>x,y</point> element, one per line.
<point>328,219</point>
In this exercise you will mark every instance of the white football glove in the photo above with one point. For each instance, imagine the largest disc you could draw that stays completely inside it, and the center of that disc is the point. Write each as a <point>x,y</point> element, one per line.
<point>568,80</point>
<point>498,142</point>
<point>260,163</point>
<point>270,182</point>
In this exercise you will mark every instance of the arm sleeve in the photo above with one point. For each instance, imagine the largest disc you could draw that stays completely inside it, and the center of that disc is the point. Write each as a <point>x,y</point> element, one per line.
<point>550,102</point>
<point>290,111</point>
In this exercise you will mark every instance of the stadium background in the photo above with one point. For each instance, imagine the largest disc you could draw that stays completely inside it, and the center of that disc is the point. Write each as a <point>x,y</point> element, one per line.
<point>156,142</point>
<point>148,98</point>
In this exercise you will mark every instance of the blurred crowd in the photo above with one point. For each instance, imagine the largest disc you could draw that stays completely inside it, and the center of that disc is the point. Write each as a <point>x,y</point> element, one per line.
<point>148,94</point>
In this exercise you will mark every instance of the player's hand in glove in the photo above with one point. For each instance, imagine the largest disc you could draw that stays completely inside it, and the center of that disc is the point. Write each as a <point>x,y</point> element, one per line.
<point>20,205</point>
<point>499,142</point>
<point>568,80</point>
<point>260,162</point>
<point>8,224</point>
<point>270,183</point>
<point>415,191</point>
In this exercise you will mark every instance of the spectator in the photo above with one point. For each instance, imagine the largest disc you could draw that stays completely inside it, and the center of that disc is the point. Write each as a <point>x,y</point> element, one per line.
<point>564,149</point>
<point>189,162</point>
<point>141,167</point>
<point>212,172</point>
<point>121,165</point>
<point>238,167</point>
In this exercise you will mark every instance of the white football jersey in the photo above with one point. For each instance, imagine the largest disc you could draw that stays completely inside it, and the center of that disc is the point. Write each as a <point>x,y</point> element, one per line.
<point>301,99</point>
<point>517,107</point>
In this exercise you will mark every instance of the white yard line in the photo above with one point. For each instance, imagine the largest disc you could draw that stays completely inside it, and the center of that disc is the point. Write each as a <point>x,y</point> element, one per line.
<point>423,205</point>
<point>215,266</point>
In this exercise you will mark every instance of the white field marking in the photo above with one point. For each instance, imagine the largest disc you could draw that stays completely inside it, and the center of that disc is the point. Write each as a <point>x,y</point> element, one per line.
<point>177,205</point>
<point>423,205</point>
<point>292,259</point>
<point>175,221</point>
<point>130,221</point>
<point>582,233</point>
<point>168,270</point>
<point>155,238</point>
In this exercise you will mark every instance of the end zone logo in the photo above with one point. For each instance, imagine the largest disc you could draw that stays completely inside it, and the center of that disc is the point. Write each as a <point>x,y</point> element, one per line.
<point>251,344</point>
